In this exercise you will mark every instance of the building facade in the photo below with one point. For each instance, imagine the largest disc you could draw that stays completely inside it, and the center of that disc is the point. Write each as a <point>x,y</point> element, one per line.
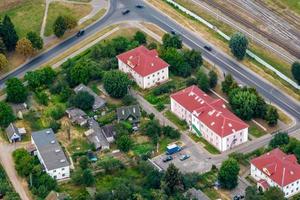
<point>209,118</point>
<point>277,169</point>
<point>144,66</point>
<point>50,154</point>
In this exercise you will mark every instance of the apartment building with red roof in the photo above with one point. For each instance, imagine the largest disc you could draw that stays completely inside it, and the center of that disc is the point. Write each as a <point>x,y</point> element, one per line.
<point>277,169</point>
<point>209,118</point>
<point>144,66</point>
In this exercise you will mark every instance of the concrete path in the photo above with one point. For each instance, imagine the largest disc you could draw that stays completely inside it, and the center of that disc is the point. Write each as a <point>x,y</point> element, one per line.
<point>7,162</point>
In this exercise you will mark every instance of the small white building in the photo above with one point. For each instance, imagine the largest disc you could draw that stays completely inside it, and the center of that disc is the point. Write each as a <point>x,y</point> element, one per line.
<point>277,169</point>
<point>209,118</point>
<point>144,66</point>
<point>50,154</point>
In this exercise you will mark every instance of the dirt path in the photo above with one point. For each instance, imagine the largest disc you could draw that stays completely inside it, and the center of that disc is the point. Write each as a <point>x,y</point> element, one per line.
<point>7,162</point>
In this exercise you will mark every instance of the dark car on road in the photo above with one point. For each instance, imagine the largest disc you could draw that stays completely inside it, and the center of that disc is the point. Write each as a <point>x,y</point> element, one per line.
<point>80,33</point>
<point>173,32</point>
<point>139,6</point>
<point>125,12</point>
<point>208,48</point>
<point>167,159</point>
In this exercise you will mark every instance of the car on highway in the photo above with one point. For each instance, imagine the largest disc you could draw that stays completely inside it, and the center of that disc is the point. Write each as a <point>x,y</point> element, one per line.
<point>80,33</point>
<point>173,32</point>
<point>167,159</point>
<point>125,12</point>
<point>139,6</point>
<point>208,48</point>
<point>184,157</point>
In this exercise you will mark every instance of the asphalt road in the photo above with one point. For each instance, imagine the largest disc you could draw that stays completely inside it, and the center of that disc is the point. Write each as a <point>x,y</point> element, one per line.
<point>150,14</point>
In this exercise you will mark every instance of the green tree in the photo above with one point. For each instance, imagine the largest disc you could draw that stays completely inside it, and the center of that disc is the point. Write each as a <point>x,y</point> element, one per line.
<point>2,45</point>
<point>191,81</point>
<point>84,162</point>
<point>3,61</point>
<point>24,47</point>
<point>70,21</point>
<point>140,37</point>
<point>273,193</point>
<point>116,83</point>
<point>243,103</point>
<point>153,130</point>
<point>271,115</point>
<point>6,115</point>
<point>60,26</point>
<point>173,180</point>
<point>110,164</point>
<point>124,143</point>
<point>40,78</point>
<point>251,193</point>
<point>279,140</point>
<point>120,44</point>
<point>82,100</point>
<point>213,79</point>
<point>202,81</point>
<point>193,58</point>
<point>87,177</point>
<point>12,196</point>
<point>170,41</point>
<point>42,98</point>
<point>80,73</point>
<point>9,34</point>
<point>152,45</point>
<point>35,39</point>
<point>228,174</point>
<point>24,163</point>
<point>296,71</point>
<point>128,100</point>
<point>15,91</point>
<point>228,84</point>
<point>171,132</point>
<point>238,45</point>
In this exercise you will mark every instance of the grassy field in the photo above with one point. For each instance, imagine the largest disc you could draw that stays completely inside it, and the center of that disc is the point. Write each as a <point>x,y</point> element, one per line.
<point>57,8</point>
<point>210,148</point>
<point>26,15</point>
<point>254,131</point>
<point>293,5</point>
<point>181,124</point>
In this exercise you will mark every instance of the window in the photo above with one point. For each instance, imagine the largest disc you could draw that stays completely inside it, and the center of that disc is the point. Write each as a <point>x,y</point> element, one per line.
<point>54,177</point>
<point>54,170</point>
<point>63,175</point>
<point>148,77</point>
<point>63,169</point>
<point>227,139</point>
<point>153,75</point>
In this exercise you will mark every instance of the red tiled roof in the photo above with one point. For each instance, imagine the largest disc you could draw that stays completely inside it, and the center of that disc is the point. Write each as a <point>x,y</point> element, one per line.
<point>143,61</point>
<point>212,112</point>
<point>263,183</point>
<point>278,166</point>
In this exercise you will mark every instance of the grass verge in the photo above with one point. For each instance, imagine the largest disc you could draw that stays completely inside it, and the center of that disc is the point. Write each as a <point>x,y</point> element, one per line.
<point>181,124</point>
<point>210,148</point>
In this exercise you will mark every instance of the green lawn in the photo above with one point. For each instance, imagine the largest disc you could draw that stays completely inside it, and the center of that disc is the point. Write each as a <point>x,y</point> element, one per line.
<point>210,148</point>
<point>291,4</point>
<point>181,124</point>
<point>27,16</point>
<point>141,149</point>
<point>253,130</point>
<point>57,8</point>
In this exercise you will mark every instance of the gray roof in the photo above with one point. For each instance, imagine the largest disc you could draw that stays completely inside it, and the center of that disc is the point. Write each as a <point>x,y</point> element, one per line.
<point>11,130</point>
<point>97,137</point>
<point>20,107</point>
<point>129,112</point>
<point>108,131</point>
<point>99,102</point>
<point>49,149</point>
<point>76,115</point>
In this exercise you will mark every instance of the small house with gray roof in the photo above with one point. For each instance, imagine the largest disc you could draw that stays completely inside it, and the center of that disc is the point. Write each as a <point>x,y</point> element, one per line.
<point>77,116</point>
<point>14,134</point>
<point>95,135</point>
<point>50,154</point>
<point>99,101</point>
<point>129,113</point>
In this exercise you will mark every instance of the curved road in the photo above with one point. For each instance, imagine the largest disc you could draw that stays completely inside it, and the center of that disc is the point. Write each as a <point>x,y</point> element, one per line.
<point>150,14</point>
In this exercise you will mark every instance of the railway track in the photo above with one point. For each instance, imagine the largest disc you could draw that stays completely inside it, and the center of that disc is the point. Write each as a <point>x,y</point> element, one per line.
<point>280,35</point>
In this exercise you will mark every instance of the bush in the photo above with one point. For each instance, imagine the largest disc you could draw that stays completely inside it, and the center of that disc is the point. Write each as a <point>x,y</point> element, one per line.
<point>116,83</point>
<point>128,100</point>
<point>279,140</point>
<point>110,164</point>
<point>57,112</point>
<point>165,88</point>
<point>124,143</point>
<point>160,106</point>
<point>170,132</point>
<point>83,100</point>
<point>191,81</point>
<point>42,98</point>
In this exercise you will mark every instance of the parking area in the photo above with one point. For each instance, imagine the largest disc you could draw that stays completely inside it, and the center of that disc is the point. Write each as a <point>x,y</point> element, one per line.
<point>197,162</point>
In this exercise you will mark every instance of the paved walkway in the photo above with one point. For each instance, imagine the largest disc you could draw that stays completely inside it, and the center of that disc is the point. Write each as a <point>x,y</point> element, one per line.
<point>7,162</point>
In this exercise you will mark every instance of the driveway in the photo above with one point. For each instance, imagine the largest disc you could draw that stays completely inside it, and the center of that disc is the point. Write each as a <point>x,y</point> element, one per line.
<point>8,164</point>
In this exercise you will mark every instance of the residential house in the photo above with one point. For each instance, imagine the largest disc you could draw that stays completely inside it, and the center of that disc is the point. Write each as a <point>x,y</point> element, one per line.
<point>50,154</point>
<point>96,136</point>
<point>209,118</point>
<point>144,66</point>
<point>109,132</point>
<point>277,169</point>
<point>19,109</point>
<point>129,113</point>
<point>14,134</point>
<point>99,101</point>
<point>77,116</point>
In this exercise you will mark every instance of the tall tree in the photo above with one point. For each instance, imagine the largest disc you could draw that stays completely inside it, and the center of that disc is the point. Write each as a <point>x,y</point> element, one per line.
<point>3,61</point>
<point>16,91</point>
<point>271,115</point>
<point>6,115</point>
<point>24,47</point>
<point>60,26</point>
<point>35,39</point>
<point>82,100</point>
<point>70,21</point>
<point>228,174</point>
<point>193,58</point>
<point>170,41</point>
<point>2,45</point>
<point>116,83</point>
<point>251,193</point>
<point>273,193</point>
<point>80,73</point>
<point>87,177</point>
<point>8,33</point>
<point>124,143</point>
<point>296,71</point>
<point>202,81</point>
<point>173,180</point>
<point>228,84</point>
<point>279,140</point>
<point>238,45</point>
<point>213,79</point>
<point>140,37</point>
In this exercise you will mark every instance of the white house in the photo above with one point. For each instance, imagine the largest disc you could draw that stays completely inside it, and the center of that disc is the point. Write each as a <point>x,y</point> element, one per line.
<point>144,66</point>
<point>277,169</point>
<point>209,118</point>
<point>50,154</point>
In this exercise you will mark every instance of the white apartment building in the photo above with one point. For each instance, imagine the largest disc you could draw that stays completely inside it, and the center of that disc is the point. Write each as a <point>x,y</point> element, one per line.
<point>50,154</point>
<point>144,66</point>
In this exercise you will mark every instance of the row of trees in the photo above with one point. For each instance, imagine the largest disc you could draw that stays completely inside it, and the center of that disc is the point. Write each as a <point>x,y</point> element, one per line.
<point>247,103</point>
<point>6,187</point>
